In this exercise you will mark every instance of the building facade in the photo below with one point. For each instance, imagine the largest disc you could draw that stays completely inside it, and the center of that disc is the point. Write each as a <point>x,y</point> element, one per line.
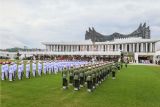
<point>137,46</point>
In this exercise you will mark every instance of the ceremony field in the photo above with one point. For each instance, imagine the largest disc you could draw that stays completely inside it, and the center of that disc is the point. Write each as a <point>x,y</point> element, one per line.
<point>135,86</point>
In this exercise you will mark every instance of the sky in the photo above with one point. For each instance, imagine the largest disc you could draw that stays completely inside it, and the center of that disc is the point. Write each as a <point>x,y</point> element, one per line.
<point>30,22</point>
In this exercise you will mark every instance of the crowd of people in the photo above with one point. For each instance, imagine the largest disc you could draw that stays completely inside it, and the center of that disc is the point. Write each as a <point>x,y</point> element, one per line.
<point>19,70</point>
<point>89,75</point>
<point>75,73</point>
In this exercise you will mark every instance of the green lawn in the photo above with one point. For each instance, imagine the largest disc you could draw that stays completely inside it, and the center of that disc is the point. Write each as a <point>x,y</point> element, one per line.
<point>136,86</point>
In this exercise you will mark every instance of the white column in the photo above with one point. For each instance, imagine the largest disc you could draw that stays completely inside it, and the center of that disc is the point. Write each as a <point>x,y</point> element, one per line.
<point>125,47</point>
<point>133,47</point>
<point>151,47</point>
<point>141,47</point>
<point>146,47</point>
<point>108,46</point>
<point>118,47</point>
<point>137,47</point>
<point>130,47</point>
<point>115,47</point>
<point>102,48</point>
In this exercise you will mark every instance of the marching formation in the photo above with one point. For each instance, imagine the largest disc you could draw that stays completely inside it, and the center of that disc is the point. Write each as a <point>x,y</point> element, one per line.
<point>74,73</point>
<point>89,75</point>
<point>20,70</point>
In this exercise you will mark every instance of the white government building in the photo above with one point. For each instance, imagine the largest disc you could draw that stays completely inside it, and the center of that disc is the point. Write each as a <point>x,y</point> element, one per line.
<point>138,46</point>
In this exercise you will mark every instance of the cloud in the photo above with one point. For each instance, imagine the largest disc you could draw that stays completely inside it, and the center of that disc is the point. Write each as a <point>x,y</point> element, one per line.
<point>30,22</point>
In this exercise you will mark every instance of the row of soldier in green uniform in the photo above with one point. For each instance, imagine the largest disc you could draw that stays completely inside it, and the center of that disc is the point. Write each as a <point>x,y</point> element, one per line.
<point>89,75</point>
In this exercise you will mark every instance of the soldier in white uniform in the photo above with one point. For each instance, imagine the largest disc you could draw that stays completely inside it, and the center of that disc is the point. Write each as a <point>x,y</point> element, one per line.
<point>52,64</point>
<point>55,68</point>
<point>34,68</point>
<point>14,70</point>
<point>6,70</point>
<point>44,68</point>
<point>3,71</point>
<point>22,65</point>
<point>11,68</point>
<point>50,67</point>
<point>47,67</point>
<point>39,68</point>
<point>20,71</point>
<point>28,70</point>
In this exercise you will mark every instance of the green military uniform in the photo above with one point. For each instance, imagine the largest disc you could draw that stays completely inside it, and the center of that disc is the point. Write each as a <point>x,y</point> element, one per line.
<point>94,78</point>
<point>121,65</point>
<point>76,80</point>
<point>126,64</point>
<point>65,82</point>
<point>89,82</point>
<point>113,71</point>
<point>71,76</point>
<point>97,76</point>
<point>81,75</point>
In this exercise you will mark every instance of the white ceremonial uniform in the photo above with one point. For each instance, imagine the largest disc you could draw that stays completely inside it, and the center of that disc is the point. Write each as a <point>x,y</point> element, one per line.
<point>34,69</point>
<point>11,68</point>
<point>22,65</point>
<point>44,68</point>
<point>3,72</point>
<point>6,70</point>
<point>55,68</point>
<point>20,72</point>
<point>60,67</point>
<point>39,68</point>
<point>28,70</point>
<point>14,70</point>
<point>50,68</point>
<point>47,67</point>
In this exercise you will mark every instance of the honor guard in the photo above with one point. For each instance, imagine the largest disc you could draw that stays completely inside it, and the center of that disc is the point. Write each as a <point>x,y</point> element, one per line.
<point>97,75</point>
<point>81,75</point>
<point>34,68</point>
<point>3,71</point>
<point>14,71</point>
<point>89,82</point>
<point>6,70</point>
<point>64,81</point>
<point>44,68</point>
<point>71,76</point>
<point>22,65</point>
<point>94,78</point>
<point>28,70</point>
<point>121,65</point>
<point>126,64</point>
<point>39,68</point>
<point>76,80</point>
<point>11,68</point>
<point>20,71</point>
<point>55,68</point>
<point>50,67</point>
<point>114,71</point>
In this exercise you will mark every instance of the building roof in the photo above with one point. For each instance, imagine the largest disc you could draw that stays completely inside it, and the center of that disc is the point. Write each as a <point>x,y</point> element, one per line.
<point>116,41</point>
